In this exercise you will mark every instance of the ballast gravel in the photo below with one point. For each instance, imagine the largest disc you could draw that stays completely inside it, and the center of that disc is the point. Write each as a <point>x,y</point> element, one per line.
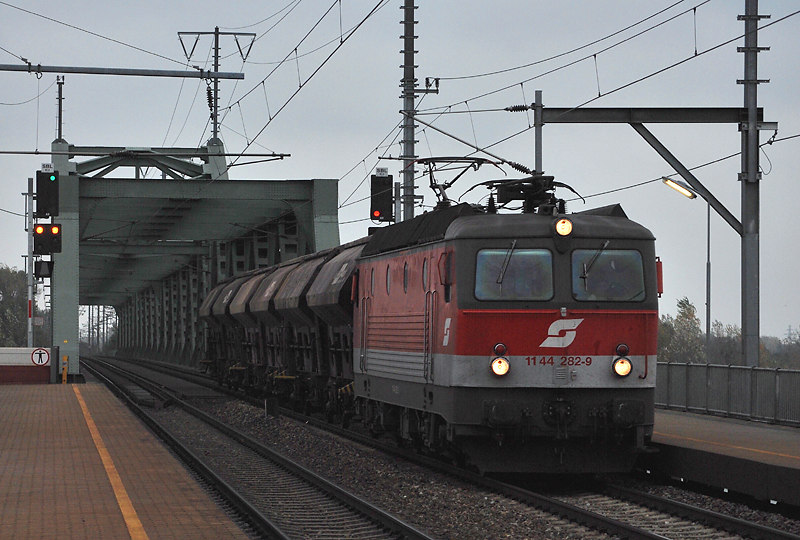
<point>443,507</point>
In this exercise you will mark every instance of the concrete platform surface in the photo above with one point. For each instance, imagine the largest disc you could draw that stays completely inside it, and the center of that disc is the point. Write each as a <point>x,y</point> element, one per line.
<point>764,443</point>
<point>75,463</point>
<point>751,458</point>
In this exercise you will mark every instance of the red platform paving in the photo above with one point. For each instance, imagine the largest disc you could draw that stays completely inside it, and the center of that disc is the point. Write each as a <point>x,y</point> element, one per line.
<point>76,464</point>
<point>758,459</point>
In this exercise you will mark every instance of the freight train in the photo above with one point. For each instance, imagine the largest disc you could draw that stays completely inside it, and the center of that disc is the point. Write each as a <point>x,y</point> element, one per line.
<point>506,342</point>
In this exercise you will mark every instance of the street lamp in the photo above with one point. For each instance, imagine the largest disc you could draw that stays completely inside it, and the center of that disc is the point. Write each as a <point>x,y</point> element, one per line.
<point>680,187</point>
<point>686,191</point>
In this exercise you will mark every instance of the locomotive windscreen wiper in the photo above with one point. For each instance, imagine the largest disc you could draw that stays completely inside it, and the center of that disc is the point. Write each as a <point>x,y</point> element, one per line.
<point>506,261</point>
<point>587,267</point>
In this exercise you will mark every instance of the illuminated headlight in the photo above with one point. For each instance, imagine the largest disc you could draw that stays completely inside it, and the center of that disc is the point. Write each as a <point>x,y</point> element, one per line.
<point>500,366</point>
<point>622,367</point>
<point>564,227</point>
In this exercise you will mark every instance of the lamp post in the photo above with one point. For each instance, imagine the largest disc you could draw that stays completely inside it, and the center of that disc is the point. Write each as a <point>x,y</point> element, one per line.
<point>686,191</point>
<point>708,285</point>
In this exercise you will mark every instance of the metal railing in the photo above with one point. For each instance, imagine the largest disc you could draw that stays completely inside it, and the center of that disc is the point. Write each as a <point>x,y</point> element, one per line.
<point>766,395</point>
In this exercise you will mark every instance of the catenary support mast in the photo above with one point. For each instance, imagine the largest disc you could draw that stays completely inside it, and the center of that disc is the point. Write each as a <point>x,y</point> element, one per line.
<point>409,85</point>
<point>410,91</point>
<point>750,179</point>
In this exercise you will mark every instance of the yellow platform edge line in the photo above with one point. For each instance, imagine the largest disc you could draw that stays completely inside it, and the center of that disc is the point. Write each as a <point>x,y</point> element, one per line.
<point>135,528</point>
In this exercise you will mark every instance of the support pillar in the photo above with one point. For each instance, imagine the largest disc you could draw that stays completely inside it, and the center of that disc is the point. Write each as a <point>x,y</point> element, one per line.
<point>65,280</point>
<point>750,179</point>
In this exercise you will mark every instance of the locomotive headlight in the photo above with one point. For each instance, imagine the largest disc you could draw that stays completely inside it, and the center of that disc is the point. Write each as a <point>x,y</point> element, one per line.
<point>622,367</point>
<point>563,227</point>
<point>500,366</point>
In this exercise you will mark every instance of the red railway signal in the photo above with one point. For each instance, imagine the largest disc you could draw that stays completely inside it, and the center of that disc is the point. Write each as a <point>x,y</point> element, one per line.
<point>46,238</point>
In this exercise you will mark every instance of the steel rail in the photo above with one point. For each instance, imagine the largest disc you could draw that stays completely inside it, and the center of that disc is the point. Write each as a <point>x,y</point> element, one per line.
<point>693,513</point>
<point>565,510</point>
<point>251,515</point>
<point>391,523</point>
<point>688,512</point>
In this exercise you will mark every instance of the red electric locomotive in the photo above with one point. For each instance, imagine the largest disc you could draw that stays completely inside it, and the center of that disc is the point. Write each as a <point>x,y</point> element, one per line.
<point>508,342</point>
<point>517,342</point>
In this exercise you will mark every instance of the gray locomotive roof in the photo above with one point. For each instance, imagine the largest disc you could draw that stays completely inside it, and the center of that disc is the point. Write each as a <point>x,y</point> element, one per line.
<point>585,225</point>
<point>464,221</point>
<point>427,227</point>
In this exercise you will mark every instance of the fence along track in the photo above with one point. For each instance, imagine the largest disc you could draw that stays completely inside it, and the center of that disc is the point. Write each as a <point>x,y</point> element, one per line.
<point>748,393</point>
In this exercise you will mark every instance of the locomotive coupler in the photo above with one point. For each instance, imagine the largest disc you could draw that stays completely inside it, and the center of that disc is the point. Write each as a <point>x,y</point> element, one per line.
<point>560,413</point>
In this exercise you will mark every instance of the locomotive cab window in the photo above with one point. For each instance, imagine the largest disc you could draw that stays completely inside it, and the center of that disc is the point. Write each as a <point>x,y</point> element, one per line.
<point>514,274</point>
<point>611,275</point>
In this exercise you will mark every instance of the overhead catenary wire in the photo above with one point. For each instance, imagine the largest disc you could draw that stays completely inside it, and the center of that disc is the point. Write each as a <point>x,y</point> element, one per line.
<point>303,55</point>
<point>271,28</point>
<point>95,34</point>
<point>185,198</point>
<point>288,56</point>
<point>194,100</point>
<point>227,109</point>
<point>579,60</point>
<point>576,49</point>
<point>174,109</point>
<point>612,91</point>
<point>397,133</point>
<point>377,6</point>
<point>12,54</point>
<point>367,174</point>
<point>696,167</point>
<point>284,8</point>
<point>34,98</point>
<point>653,180</point>
<point>470,112</point>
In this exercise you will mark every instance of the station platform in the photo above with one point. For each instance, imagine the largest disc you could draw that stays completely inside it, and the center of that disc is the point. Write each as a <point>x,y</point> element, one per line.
<point>75,463</point>
<point>756,459</point>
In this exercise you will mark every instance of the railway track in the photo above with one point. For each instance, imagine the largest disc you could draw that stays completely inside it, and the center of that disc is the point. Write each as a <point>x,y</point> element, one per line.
<point>279,498</point>
<point>614,510</point>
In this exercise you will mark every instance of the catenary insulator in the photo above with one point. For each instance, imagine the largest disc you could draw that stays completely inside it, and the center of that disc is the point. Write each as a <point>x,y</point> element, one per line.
<point>520,168</point>
<point>518,108</point>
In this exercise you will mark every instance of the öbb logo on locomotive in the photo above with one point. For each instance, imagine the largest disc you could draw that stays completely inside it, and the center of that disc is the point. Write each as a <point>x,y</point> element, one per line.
<point>400,331</point>
<point>555,338</point>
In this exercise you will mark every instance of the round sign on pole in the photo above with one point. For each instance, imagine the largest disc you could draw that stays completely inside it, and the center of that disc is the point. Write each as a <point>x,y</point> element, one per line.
<point>40,357</point>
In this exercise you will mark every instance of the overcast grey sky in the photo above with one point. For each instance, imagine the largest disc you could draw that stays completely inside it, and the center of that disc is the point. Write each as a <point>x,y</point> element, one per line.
<point>344,118</point>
